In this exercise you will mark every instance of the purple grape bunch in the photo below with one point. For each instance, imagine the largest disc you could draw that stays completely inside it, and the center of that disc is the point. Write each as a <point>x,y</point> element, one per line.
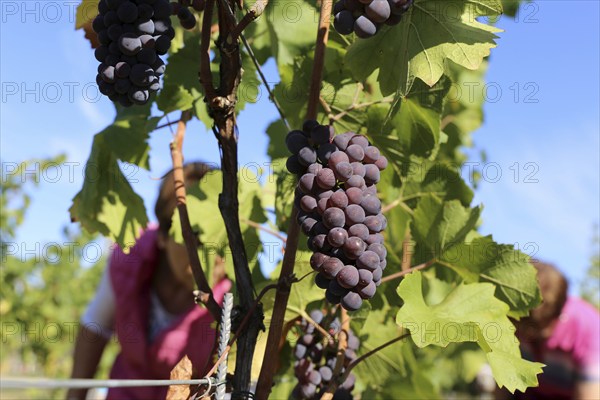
<point>316,358</point>
<point>133,34</point>
<point>339,210</point>
<point>183,13</point>
<point>366,17</point>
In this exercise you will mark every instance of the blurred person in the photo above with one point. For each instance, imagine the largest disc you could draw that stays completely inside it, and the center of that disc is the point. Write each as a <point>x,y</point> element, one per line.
<point>145,299</point>
<point>563,333</point>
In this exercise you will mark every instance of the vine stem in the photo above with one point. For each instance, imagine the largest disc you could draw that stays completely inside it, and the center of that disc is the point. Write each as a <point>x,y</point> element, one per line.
<point>268,369</point>
<point>205,294</point>
<point>408,271</point>
<point>341,355</point>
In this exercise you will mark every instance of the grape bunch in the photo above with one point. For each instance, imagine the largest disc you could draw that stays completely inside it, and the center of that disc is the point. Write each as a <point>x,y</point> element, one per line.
<point>133,34</point>
<point>182,11</point>
<point>366,17</point>
<point>316,358</point>
<point>339,210</point>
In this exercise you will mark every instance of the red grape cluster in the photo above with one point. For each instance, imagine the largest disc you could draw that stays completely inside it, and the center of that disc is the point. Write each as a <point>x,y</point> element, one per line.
<point>133,34</point>
<point>366,17</point>
<point>186,17</point>
<point>316,358</point>
<point>339,210</point>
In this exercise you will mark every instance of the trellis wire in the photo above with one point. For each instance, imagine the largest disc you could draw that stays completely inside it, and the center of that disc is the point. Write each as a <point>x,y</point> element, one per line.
<point>223,342</point>
<point>41,383</point>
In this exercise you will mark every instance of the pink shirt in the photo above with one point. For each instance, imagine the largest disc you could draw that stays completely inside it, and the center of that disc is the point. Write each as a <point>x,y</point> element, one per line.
<point>571,354</point>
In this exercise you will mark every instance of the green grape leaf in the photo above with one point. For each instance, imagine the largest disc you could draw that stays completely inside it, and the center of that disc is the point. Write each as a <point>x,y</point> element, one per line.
<point>432,32</point>
<point>284,195</point>
<point>107,203</point>
<point>470,313</point>
<point>439,179</point>
<point>173,98</point>
<point>438,225</point>
<point>483,260</point>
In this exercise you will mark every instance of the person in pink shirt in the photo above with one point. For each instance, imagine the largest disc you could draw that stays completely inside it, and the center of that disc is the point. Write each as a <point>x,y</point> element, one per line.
<point>145,300</point>
<point>563,333</point>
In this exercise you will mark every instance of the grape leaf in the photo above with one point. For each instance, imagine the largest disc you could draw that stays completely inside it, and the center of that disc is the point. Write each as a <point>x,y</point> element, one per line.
<point>107,203</point>
<point>470,313</point>
<point>432,32</point>
<point>438,225</point>
<point>483,260</point>
<point>86,11</point>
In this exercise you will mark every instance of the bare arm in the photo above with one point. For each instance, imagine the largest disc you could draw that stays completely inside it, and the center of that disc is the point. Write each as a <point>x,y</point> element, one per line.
<point>587,390</point>
<point>88,351</point>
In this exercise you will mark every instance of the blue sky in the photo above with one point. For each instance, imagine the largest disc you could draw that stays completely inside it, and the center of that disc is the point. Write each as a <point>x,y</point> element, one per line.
<point>544,124</point>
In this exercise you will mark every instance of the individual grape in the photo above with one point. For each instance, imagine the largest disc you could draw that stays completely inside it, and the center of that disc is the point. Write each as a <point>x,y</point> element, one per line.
<point>358,168</point>
<point>308,203</point>
<point>336,158</point>
<point>146,56</point>
<point>382,263</point>
<point>295,141</point>
<point>354,247</point>
<point>359,230</point>
<point>314,168</point>
<point>355,195</point>
<point>308,126</point>
<point>300,351</point>
<point>161,27</point>
<point>122,69</point>
<point>370,189</point>
<point>344,22</point>
<point>337,237</point>
<point>372,154</point>
<point>374,238</point>
<point>331,267</point>
<point>373,223</point>
<point>354,214</point>
<point>130,44</point>
<point>307,183</point>
<point>352,301</point>
<point>293,165</point>
<point>103,38</point>
<point>348,384</point>
<point>106,89</point>
<point>127,12</point>
<point>139,96</point>
<point>162,10</point>
<point>162,44</point>
<point>371,204</point>
<point>364,277</point>
<point>319,243</point>
<point>100,53</point>
<point>325,151</point>
<point>336,289</point>
<point>316,315</point>
<point>98,24</point>
<point>334,217</point>
<point>113,48</point>
<point>377,274</point>
<point>338,199</point>
<point>314,377</point>
<point>114,32</point>
<point>122,86</point>
<point>342,141</point>
<point>321,134</point>
<point>353,5</point>
<point>326,178</point>
<point>378,11</point>
<point>110,18</point>
<point>308,390</point>
<point>307,340</point>
<point>145,11</point>
<point>353,341</point>
<point>141,75</point>
<point>332,298</point>
<point>356,181</point>
<point>307,156</point>
<point>343,171</point>
<point>399,7</point>
<point>348,277</point>
<point>148,42</point>
<point>322,281</point>
<point>368,260</point>
<point>307,225</point>
<point>113,4</point>
<point>198,5</point>
<point>364,28</point>
<point>322,206</point>
<point>355,152</point>
<point>317,260</point>
<point>379,249</point>
<point>108,74</point>
<point>326,373</point>
<point>368,291</point>
<point>320,229</point>
<point>372,174</point>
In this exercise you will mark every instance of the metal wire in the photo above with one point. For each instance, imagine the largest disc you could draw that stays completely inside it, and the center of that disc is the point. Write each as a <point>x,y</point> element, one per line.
<point>37,383</point>
<point>223,342</point>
